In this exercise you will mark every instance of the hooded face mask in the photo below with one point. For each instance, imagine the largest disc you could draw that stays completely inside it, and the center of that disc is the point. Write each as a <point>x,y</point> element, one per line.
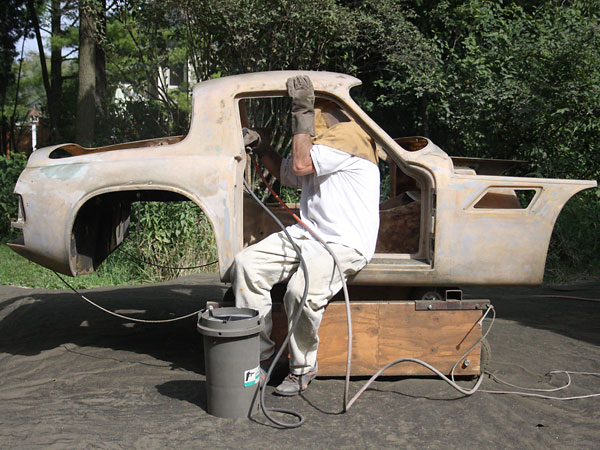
<point>334,129</point>
<point>327,114</point>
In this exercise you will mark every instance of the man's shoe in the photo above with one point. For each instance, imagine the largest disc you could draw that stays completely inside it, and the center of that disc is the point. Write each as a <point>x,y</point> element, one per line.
<point>296,384</point>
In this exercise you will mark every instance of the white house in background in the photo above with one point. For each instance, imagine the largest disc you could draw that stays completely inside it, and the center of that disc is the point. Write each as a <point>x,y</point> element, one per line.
<point>169,78</point>
<point>34,114</point>
<point>175,75</point>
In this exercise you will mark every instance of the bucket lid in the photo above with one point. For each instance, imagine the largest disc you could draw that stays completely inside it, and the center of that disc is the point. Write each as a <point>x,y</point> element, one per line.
<point>229,322</point>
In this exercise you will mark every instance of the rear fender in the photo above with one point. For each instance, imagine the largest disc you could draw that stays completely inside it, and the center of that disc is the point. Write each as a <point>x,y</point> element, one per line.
<point>484,235</point>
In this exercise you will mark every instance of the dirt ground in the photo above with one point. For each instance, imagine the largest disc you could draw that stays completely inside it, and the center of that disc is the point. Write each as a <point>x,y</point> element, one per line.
<point>73,377</point>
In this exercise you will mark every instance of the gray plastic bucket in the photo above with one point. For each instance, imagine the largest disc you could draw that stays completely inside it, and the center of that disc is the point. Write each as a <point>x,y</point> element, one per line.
<point>231,360</point>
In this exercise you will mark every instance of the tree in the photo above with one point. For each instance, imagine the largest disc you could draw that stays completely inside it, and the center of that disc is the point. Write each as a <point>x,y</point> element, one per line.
<point>13,24</point>
<point>518,81</point>
<point>44,14</point>
<point>86,96</point>
<point>51,103</point>
<point>92,91</point>
<point>100,38</point>
<point>55,93</point>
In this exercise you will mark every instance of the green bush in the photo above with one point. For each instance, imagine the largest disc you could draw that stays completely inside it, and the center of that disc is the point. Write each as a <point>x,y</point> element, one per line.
<point>10,169</point>
<point>575,248</point>
<point>174,236</point>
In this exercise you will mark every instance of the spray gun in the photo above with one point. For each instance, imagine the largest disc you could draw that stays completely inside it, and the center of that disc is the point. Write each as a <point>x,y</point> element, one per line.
<point>252,140</point>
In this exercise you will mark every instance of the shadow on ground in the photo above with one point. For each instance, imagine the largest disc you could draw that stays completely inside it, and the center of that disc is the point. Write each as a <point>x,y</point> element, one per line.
<point>191,391</point>
<point>73,376</point>
<point>554,308</point>
<point>66,319</point>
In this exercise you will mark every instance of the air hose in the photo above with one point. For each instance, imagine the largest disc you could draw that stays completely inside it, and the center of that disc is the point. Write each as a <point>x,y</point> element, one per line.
<point>346,403</point>
<point>295,321</point>
<point>451,381</point>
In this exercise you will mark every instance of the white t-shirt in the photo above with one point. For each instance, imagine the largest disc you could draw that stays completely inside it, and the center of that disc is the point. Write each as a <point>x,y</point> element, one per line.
<point>340,201</point>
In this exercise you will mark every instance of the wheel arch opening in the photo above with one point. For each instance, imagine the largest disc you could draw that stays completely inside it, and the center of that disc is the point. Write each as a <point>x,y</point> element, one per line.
<point>103,222</point>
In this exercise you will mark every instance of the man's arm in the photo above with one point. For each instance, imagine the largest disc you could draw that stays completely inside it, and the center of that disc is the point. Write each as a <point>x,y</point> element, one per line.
<point>302,161</point>
<point>272,161</point>
<point>302,94</point>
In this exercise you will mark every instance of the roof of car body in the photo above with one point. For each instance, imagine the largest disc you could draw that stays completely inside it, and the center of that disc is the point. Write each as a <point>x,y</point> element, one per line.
<point>273,82</point>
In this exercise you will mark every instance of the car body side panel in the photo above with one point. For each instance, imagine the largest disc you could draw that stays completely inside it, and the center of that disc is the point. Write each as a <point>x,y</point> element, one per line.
<point>497,245</point>
<point>207,166</point>
<point>482,246</point>
<point>207,181</point>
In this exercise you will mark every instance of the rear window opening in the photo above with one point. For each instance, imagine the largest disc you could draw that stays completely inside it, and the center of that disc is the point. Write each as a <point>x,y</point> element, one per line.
<point>70,150</point>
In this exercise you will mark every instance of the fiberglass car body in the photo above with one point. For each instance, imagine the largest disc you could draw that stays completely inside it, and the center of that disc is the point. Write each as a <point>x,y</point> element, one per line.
<point>450,221</point>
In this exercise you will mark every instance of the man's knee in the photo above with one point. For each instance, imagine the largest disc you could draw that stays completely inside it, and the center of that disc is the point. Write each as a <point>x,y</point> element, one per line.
<point>294,293</point>
<point>241,260</point>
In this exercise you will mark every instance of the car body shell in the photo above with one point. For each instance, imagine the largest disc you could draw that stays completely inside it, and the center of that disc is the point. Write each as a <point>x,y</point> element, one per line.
<point>74,201</point>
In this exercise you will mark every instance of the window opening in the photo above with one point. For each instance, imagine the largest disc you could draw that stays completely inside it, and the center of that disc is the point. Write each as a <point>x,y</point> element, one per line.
<point>506,198</point>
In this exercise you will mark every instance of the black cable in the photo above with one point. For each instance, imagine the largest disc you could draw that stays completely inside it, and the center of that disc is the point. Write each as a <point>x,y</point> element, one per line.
<point>121,316</point>
<point>295,321</point>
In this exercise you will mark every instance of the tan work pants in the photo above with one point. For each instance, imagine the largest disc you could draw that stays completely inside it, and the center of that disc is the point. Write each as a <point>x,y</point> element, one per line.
<point>273,260</point>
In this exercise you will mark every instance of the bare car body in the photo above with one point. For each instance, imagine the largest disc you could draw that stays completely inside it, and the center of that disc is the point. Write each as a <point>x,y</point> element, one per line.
<point>450,221</point>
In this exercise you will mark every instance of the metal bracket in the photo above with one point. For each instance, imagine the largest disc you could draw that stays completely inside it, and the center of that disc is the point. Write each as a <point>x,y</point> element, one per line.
<point>450,305</point>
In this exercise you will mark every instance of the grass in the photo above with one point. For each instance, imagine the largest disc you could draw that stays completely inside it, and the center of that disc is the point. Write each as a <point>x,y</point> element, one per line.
<point>173,234</point>
<point>119,269</point>
<point>18,271</point>
<point>565,274</point>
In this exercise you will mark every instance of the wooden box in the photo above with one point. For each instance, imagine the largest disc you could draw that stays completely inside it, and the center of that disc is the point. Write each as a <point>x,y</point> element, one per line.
<point>387,330</point>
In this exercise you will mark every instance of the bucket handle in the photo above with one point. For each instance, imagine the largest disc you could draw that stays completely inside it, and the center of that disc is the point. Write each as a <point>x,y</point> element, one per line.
<point>211,312</point>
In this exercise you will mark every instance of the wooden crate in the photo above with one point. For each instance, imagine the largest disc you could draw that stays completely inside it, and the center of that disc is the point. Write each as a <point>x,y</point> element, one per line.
<point>387,330</point>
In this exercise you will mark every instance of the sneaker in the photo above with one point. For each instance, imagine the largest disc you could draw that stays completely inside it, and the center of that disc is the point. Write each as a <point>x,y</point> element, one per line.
<point>296,384</point>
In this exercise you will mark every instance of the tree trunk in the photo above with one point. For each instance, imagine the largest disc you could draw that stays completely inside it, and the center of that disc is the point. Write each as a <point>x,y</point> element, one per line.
<point>55,97</point>
<point>86,96</point>
<point>52,107</point>
<point>3,137</point>
<point>101,60</point>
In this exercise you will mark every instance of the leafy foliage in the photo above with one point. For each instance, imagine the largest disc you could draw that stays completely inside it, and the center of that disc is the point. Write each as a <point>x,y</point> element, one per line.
<point>501,79</point>
<point>520,83</point>
<point>12,27</point>
<point>10,169</point>
<point>172,235</point>
<point>574,248</point>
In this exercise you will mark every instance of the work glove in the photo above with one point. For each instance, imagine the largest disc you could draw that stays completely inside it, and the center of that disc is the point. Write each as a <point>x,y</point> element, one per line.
<point>302,93</point>
<point>256,140</point>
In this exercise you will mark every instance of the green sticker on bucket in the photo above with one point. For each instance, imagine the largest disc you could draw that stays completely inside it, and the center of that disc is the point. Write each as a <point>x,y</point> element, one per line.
<point>251,377</point>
